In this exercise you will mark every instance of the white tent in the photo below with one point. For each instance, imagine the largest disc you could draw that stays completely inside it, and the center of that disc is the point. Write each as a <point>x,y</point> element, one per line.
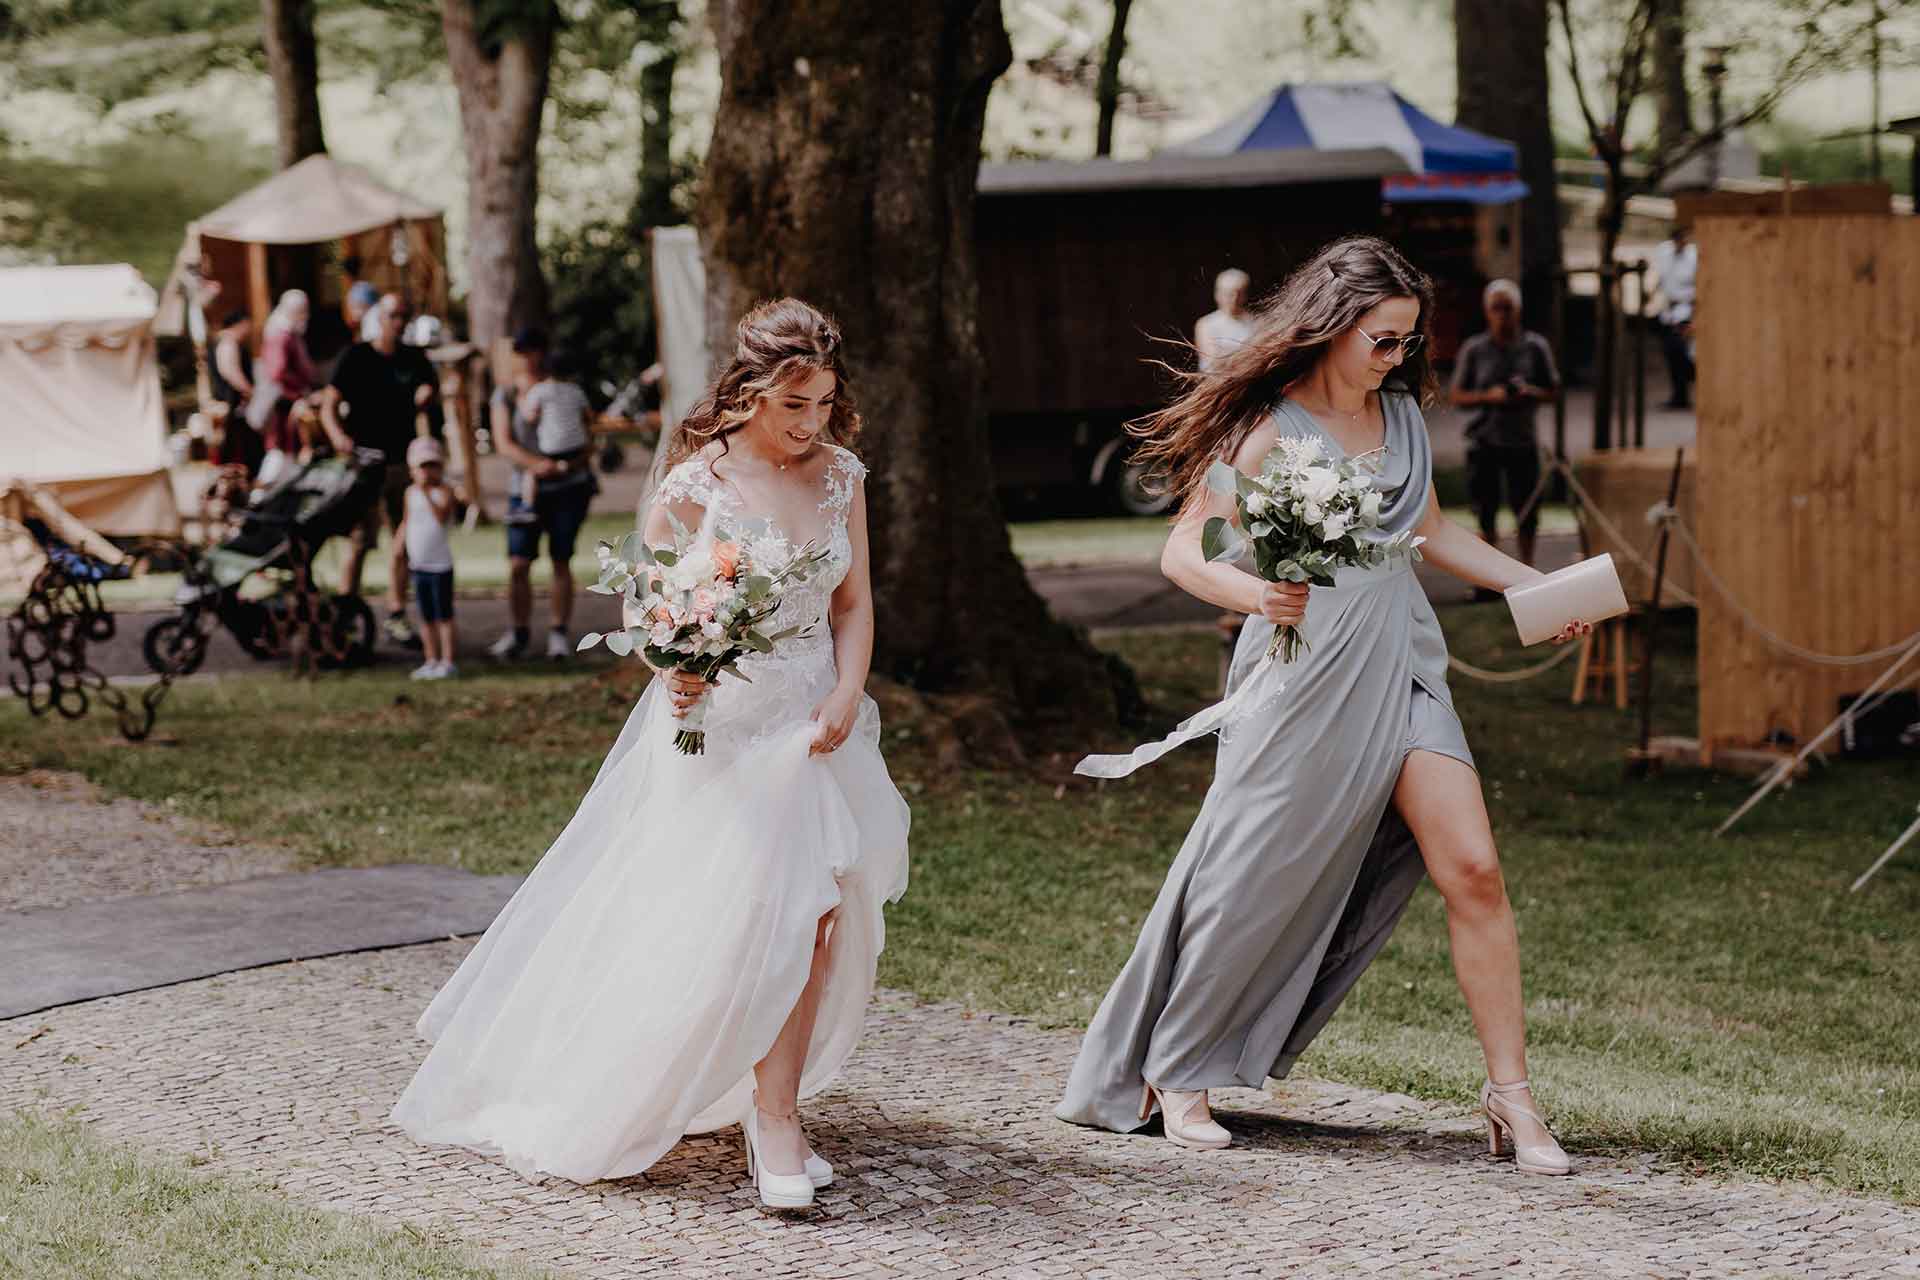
<point>320,200</point>
<point>80,408</point>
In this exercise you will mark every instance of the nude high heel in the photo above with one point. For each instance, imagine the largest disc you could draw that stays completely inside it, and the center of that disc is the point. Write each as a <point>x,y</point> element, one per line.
<point>777,1190</point>
<point>1176,1116</point>
<point>1544,1158</point>
<point>819,1171</point>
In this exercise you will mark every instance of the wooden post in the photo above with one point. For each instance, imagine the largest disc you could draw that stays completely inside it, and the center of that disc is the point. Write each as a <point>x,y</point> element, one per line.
<point>1560,354</point>
<point>1640,762</point>
<point>259,290</point>
<point>1640,355</point>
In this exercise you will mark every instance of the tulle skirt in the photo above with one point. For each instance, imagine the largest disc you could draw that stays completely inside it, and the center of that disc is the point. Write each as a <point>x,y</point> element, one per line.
<point>622,997</point>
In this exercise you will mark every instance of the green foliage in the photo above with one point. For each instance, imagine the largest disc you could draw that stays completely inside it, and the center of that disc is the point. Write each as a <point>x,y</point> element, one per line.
<point>601,282</point>
<point>125,201</point>
<point>73,1207</point>
<point>1810,158</point>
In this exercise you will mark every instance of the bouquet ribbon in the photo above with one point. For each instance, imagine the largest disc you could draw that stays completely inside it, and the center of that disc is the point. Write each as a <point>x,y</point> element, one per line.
<point>1241,702</point>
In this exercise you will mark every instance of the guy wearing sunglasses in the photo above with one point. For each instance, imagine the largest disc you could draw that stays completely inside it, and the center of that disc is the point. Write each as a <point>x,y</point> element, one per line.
<point>1502,375</point>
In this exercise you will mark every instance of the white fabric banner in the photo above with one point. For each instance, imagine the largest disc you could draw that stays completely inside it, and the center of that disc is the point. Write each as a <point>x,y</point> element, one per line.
<point>680,311</point>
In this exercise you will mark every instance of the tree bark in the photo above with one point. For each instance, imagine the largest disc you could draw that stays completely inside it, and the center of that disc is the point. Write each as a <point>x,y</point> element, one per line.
<point>293,60</point>
<point>500,73</point>
<point>1109,88</point>
<point>653,197</point>
<point>1500,60</point>
<point>845,148</point>
<point>1675,118</point>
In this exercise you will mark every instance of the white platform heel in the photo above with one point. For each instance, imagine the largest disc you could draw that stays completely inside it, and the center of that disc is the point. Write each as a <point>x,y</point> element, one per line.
<point>777,1190</point>
<point>1186,1119</point>
<point>1543,1158</point>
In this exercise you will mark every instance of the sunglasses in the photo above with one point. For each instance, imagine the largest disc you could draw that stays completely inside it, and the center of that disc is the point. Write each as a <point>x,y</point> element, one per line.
<point>1405,343</point>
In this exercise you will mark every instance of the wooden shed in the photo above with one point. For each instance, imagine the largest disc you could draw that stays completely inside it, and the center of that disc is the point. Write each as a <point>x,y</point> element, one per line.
<point>1808,489</point>
<point>1083,265</point>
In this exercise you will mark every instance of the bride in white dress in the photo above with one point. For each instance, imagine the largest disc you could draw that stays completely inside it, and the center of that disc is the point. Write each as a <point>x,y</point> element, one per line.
<point>705,924</point>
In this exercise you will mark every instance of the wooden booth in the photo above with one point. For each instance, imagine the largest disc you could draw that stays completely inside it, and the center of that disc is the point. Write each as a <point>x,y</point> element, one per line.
<point>304,228</point>
<point>1808,487</point>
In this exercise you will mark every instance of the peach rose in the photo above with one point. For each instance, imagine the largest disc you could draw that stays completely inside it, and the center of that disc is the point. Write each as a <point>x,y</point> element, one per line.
<point>726,559</point>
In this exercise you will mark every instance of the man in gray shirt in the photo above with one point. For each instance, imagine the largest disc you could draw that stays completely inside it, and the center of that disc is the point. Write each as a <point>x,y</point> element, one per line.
<point>1503,375</point>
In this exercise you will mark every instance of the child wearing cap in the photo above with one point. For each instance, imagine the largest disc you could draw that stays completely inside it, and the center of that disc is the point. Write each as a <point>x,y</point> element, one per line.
<point>423,527</point>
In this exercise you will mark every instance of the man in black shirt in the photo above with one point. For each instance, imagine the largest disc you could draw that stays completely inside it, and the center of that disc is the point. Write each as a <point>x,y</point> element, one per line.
<point>382,386</point>
<point>1503,375</point>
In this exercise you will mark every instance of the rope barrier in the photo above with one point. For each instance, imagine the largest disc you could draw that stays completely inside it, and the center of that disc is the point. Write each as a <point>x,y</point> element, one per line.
<point>1511,677</point>
<point>1782,771</point>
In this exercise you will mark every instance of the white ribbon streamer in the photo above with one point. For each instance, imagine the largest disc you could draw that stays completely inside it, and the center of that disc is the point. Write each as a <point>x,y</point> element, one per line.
<point>1245,700</point>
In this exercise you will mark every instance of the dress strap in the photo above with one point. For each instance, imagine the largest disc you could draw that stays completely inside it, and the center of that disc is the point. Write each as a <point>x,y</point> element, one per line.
<point>844,471</point>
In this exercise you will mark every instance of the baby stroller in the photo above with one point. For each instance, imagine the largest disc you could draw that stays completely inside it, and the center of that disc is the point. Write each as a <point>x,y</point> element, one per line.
<point>281,531</point>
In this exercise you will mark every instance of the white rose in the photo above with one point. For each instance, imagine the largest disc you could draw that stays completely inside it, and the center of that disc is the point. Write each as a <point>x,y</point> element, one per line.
<point>1319,484</point>
<point>1370,504</point>
<point>1310,512</point>
<point>1258,503</point>
<point>1334,526</point>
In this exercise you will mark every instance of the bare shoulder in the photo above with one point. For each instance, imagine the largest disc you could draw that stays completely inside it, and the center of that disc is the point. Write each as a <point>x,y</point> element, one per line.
<point>1257,445</point>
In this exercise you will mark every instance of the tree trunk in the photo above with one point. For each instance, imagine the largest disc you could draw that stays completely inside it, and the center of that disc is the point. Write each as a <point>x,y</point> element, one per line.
<point>293,60</point>
<point>1606,350</point>
<point>500,73</point>
<point>1675,120</point>
<point>845,148</point>
<point>1500,59</point>
<point>653,197</point>
<point>1109,90</point>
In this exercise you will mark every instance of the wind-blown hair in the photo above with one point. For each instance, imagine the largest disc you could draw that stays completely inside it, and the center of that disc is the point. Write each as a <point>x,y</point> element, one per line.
<point>1294,327</point>
<point>776,345</point>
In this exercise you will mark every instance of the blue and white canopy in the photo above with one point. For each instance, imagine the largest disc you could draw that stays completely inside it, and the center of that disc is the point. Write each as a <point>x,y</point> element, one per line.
<point>1448,162</point>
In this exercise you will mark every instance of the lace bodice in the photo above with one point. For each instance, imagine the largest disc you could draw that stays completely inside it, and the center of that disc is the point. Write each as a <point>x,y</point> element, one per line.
<point>693,481</point>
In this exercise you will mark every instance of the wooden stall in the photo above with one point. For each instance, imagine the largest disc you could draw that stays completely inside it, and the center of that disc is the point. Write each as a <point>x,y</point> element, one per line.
<point>1808,488</point>
<point>1082,266</point>
<point>1624,484</point>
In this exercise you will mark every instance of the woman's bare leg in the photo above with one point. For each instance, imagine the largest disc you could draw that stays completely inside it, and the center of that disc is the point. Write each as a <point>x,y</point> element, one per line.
<point>777,1076</point>
<point>1440,799</point>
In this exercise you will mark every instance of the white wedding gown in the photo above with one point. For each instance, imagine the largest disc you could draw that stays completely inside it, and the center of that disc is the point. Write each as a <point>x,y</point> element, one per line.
<point>622,997</point>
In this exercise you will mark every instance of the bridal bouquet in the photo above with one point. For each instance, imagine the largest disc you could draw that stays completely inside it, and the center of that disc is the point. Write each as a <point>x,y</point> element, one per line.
<point>698,605</point>
<point>1305,516</point>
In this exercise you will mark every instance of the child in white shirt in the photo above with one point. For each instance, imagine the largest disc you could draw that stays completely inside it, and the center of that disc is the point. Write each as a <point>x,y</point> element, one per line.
<point>423,528</point>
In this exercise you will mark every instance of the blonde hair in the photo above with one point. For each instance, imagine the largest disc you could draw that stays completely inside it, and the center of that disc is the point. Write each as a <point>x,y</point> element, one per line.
<point>776,345</point>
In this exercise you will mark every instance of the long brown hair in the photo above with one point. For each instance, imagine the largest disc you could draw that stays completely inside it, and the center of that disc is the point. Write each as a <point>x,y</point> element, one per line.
<point>1294,327</point>
<point>776,345</point>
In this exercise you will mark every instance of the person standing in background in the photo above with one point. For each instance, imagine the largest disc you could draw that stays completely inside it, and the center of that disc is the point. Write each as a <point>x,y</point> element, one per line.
<point>362,322</point>
<point>541,425</point>
<point>384,387</point>
<point>423,531</point>
<point>1502,375</point>
<point>1676,261</point>
<point>231,373</point>
<point>286,377</point>
<point>1229,326</point>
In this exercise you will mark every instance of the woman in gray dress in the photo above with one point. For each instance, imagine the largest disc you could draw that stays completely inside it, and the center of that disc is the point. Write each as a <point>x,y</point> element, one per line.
<point>1325,802</point>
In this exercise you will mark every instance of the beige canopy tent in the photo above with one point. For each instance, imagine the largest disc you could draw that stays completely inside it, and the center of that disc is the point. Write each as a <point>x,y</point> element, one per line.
<point>275,237</point>
<point>83,418</point>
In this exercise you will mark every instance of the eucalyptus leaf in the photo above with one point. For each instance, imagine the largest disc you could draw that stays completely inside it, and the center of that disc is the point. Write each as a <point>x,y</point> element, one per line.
<point>1222,478</point>
<point>1220,541</point>
<point>757,642</point>
<point>620,642</point>
<point>633,548</point>
<point>587,641</point>
<point>666,558</point>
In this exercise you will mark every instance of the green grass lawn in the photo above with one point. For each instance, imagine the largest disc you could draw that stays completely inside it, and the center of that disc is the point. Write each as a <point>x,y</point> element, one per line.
<point>73,1207</point>
<point>1725,1002</point>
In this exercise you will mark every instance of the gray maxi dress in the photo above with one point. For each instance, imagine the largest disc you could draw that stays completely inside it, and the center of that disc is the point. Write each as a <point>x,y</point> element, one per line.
<point>1297,868</point>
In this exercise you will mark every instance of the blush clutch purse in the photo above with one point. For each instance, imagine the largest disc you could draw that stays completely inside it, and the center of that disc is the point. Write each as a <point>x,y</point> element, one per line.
<point>1585,592</point>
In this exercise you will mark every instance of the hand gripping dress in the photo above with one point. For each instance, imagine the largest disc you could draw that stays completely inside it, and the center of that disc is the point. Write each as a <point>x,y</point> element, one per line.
<point>1297,868</point>
<point>623,996</point>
